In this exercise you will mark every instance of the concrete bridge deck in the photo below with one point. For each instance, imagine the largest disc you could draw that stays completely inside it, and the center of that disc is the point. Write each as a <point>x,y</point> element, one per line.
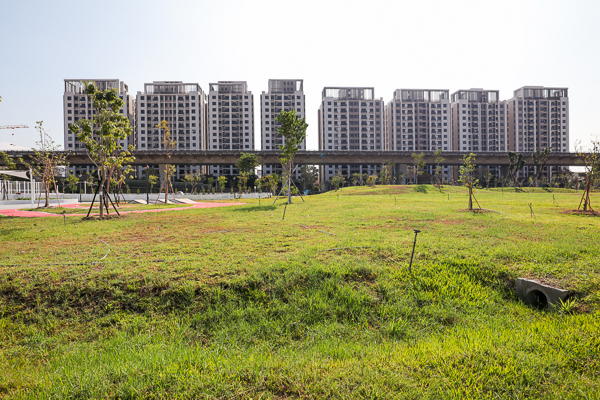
<point>311,157</point>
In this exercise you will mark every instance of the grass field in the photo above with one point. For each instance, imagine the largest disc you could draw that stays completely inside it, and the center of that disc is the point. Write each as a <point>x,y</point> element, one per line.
<point>235,303</point>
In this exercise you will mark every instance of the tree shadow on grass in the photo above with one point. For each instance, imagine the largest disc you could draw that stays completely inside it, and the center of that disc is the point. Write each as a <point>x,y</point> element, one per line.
<point>420,188</point>
<point>254,208</point>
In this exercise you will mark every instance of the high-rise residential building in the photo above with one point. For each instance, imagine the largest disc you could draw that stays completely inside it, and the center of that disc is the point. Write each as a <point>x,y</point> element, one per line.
<point>538,117</point>
<point>350,118</point>
<point>479,124</point>
<point>183,107</point>
<point>479,121</point>
<point>77,105</point>
<point>418,120</point>
<point>283,95</point>
<point>230,121</point>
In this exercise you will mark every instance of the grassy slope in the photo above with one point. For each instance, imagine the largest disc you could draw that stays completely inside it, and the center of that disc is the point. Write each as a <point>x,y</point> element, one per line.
<point>233,302</point>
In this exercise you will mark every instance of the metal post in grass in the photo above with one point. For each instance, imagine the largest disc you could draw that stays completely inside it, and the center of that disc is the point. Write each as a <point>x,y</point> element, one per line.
<point>64,218</point>
<point>413,251</point>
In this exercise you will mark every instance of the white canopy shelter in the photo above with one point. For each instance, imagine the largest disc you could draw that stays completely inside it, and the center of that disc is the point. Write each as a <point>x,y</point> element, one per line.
<point>18,174</point>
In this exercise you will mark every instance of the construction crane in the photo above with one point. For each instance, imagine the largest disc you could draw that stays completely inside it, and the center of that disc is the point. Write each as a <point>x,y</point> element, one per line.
<point>13,127</point>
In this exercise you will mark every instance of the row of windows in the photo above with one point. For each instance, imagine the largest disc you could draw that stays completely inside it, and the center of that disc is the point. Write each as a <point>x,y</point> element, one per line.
<point>179,98</point>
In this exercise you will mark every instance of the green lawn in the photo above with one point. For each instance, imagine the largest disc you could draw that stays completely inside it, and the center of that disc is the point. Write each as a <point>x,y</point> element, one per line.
<point>233,302</point>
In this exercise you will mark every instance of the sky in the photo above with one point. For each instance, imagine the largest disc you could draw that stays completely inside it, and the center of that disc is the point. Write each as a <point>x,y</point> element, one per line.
<point>388,45</point>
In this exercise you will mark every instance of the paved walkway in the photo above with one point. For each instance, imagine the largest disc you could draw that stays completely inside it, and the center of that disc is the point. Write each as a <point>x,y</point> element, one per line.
<point>32,214</point>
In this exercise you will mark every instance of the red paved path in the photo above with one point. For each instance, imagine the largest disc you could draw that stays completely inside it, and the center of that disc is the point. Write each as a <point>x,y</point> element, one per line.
<point>30,214</point>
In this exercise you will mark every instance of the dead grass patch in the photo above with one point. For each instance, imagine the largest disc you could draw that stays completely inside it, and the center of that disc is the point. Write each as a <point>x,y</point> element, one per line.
<point>590,213</point>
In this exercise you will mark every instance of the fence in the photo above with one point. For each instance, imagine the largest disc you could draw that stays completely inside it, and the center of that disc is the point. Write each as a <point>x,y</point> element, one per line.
<point>11,190</point>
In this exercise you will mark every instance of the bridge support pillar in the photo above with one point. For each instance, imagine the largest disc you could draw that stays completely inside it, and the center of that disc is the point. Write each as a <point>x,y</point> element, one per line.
<point>162,171</point>
<point>400,173</point>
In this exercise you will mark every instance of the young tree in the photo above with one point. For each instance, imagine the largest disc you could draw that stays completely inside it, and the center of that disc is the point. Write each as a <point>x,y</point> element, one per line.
<point>540,158</point>
<point>45,161</point>
<point>516,163</point>
<point>338,180</point>
<point>356,179</point>
<point>72,182</point>
<point>271,182</point>
<point>194,179</point>
<point>419,164</point>
<point>258,184</point>
<point>591,160</point>
<point>102,135</point>
<point>247,164</point>
<point>168,145</point>
<point>310,175</point>
<point>371,180</point>
<point>211,181</point>
<point>222,182</point>
<point>467,177</point>
<point>439,159</point>
<point>487,175</point>
<point>293,129</point>
<point>387,172</point>
<point>363,180</point>
<point>120,177</point>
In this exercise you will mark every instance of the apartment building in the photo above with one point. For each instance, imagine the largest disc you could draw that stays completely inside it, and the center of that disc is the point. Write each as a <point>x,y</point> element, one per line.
<point>538,117</point>
<point>350,118</point>
<point>283,95</point>
<point>77,105</point>
<point>479,124</point>
<point>479,121</point>
<point>183,107</point>
<point>418,120</point>
<point>230,121</point>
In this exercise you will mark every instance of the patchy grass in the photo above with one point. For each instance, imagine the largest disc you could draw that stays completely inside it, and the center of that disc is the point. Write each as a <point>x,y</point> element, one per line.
<point>236,303</point>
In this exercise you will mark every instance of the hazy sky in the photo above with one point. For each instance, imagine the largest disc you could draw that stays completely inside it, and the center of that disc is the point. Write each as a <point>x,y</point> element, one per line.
<point>389,45</point>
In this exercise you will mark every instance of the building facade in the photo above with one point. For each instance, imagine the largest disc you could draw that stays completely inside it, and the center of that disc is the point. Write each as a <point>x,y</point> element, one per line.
<point>350,118</point>
<point>283,95</point>
<point>418,120</point>
<point>77,106</point>
<point>183,107</point>
<point>230,121</point>
<point>479,124</point>
<point>538,117</point>
<point>479,121</point>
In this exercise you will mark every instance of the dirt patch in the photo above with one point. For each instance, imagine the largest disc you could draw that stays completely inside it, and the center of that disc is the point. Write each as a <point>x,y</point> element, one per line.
<point>590,213</point>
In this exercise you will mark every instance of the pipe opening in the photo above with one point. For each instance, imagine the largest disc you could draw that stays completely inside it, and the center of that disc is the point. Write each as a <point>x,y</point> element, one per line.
<point>537,299</point>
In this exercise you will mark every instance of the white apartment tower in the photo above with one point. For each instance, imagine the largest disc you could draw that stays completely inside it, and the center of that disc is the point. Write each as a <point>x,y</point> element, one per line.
<point>479,121</point>
<point>283,95</point>
<point>538,117</point>
<point>77,105</point>
<point>183,107</point>
<point>350,118</point>
<point>418,120</point>
<point>231,120</point>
